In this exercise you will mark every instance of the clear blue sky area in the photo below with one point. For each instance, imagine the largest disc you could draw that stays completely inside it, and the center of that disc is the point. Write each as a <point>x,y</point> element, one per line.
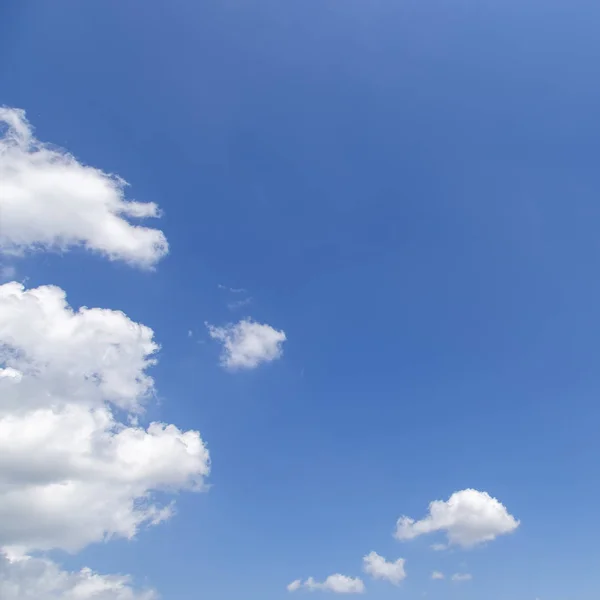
<point>410,190</point>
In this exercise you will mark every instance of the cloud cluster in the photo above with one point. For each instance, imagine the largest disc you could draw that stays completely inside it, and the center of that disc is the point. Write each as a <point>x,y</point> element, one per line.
<point>50,201</point>
<point>30,578</point>
<point>70,472</point>
<point>339,584</point>
<point>247,344</point>
<point>75,465</point>
<point>469,517</point>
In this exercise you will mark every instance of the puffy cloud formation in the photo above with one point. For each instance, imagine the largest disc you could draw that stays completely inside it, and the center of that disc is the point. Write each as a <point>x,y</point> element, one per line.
<point>40,579</point>
<point>437,575</point>
<point>339,584</point>
<point>71,473</point>
<point>49,200</point>
<point>468,517</point>
<point>458,577</point>
<point>247,344</point>
<point>376,566</point>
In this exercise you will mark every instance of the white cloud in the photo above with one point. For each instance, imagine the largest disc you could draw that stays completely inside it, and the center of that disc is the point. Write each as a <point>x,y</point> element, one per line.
<point>438,547</point>
<point>339,584</point>
<point>41,579</point>
<point>376,566</point>
<point>462,577</point>
<point>468,517</point>
<point>239,303</point>
<point>231,289</point>
<point>247,344</point>
<point>50,201</point>
<point>437,575</point>
<point>71,473</point>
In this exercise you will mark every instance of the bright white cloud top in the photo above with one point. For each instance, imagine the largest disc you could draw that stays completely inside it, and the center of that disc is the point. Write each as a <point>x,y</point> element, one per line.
<point>468,517</point>
<point>338,584</point>
<point>70,472</point>
<point>379,568</point>
<point>50,201</point>
<point>247,344</point>
<point>41,579</point>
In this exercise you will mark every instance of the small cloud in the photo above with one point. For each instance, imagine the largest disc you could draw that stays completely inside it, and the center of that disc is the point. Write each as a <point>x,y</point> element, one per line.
<point>239,303</point>
<point>379,568</point>
<point>247,344</point>
<point>190,333</point>
<point>438,547</point>
<point>232,290</point>
<point>338,584</point>
<point>462,577</point>
<point>469,517</point>
<point>437,575</point>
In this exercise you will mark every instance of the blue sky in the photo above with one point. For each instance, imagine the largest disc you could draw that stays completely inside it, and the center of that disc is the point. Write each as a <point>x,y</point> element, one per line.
<point>408,190</point>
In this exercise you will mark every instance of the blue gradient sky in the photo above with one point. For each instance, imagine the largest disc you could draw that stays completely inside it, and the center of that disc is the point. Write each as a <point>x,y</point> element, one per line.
<point>410,190</point>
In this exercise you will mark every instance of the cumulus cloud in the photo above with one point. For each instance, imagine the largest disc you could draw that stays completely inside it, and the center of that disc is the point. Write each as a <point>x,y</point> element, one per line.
<point>339,584</point>
<point>468,517</point>
<point>437,575</point>
<point>50,201</point>
<point>71,472</point>
<point>30,578</point>
<point>376,566</point>
<point>458,577</point>
<point>247,344</point>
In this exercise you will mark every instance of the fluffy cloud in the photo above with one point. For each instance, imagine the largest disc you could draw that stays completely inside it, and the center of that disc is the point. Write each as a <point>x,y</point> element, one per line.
<point>247,344</point>
<point>40,579</point>
<point>376,566</point>
<point>71,472</point>
<point>437,575</point>
<point>468,517</point>
<point>458,577</point>
<point>50,201</point>
<point>339,584</point>
<point>90,356</point>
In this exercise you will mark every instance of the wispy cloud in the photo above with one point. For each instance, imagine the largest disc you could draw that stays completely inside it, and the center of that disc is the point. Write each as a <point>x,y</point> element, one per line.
<point>458,577</point>
<point>338,584</point>
<point>231,289</point>
<point>239,303</point>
